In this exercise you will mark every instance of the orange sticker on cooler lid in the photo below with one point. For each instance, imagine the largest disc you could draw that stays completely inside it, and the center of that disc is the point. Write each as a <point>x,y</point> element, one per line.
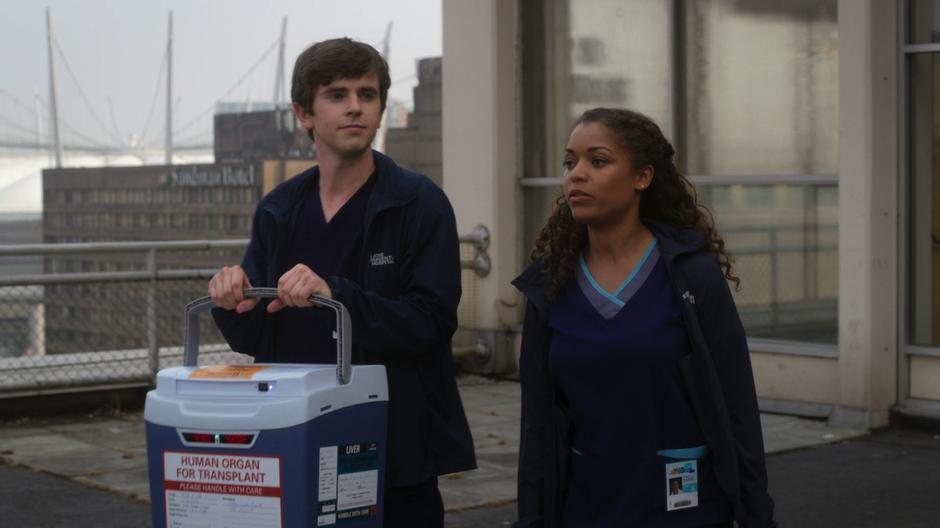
<point>226,372</point>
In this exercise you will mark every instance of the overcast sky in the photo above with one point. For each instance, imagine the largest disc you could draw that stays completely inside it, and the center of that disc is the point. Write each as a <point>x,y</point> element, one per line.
<point>115,48</point>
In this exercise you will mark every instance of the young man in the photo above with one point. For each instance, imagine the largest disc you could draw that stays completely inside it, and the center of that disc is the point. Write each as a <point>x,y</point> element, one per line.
<point>380,239</point>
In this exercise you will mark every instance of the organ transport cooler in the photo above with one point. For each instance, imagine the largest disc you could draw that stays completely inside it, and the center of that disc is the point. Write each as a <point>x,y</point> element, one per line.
<point>267,445</point>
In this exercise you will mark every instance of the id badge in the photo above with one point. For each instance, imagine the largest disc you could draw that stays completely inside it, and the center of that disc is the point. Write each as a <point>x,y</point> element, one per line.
<point>681,485</point>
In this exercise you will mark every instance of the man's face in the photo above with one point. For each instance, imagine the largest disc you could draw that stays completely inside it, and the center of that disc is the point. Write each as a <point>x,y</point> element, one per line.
<point>346,115</point>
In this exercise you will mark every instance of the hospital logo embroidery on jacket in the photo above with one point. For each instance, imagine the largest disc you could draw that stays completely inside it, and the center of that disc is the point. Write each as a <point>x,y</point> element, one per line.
<point>381,259</point>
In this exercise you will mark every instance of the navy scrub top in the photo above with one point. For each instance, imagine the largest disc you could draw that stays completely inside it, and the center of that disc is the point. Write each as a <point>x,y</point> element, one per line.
<point>305,335</point>
<point>614,356</point>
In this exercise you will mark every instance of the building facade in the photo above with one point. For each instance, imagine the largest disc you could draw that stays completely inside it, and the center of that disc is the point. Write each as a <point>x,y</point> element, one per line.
<point>417,146</point>
<point>809,128</point>
<point>253,153</point>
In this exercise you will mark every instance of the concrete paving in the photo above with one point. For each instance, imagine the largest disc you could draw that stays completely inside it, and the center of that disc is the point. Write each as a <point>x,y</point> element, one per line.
<point>887,480</point>
<point>109,452</point>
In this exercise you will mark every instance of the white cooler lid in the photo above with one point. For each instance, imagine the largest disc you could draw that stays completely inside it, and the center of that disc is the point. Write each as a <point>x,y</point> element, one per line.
<point>258,396</point>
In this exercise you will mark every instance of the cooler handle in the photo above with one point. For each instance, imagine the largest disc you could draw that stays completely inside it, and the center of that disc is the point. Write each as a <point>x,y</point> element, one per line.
<point>343,328</point>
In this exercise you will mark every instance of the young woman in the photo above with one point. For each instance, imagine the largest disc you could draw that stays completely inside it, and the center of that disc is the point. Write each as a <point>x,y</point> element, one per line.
<point>638,401</point>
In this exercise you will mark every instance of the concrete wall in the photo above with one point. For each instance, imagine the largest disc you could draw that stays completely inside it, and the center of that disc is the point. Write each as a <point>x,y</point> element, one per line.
<point>925,378</point>
<point>418,146</point>
<point>482,141</point>
<point>273,172</point>
<point>869,180</point>
<point>799,379</point>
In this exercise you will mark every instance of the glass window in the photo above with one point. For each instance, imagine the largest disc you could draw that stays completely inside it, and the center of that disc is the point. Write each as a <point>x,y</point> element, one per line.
<point>784,241</point>
<point>760,91</point>
<point>581,54</point>
<point>539,203</point>
<point>760,88</point>
<point>924,21</point>
<point>924,201</point>
<point>753,88</point>
<point>618,56</point>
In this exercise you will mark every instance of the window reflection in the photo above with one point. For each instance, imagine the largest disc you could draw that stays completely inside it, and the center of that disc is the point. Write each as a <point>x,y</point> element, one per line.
<point>761,86</point>
<point>753,86</point>
<point>924,21</point>
<point>924,191</point>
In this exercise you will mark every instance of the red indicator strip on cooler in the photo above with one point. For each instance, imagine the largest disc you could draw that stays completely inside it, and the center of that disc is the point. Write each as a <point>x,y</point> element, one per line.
<point>208,439</point>
<point>224,489</point>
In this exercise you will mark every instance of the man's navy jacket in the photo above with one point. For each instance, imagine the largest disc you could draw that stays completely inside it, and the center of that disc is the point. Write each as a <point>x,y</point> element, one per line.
<point>717,374</point>
<point>403,307</point>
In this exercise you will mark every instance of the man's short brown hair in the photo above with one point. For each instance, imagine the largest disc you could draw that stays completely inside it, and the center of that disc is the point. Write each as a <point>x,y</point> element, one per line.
<point>340,58</point>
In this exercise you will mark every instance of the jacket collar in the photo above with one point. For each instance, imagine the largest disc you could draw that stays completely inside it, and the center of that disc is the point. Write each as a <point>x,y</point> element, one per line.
<point>393,186</point>
<point>675,241</point>
<point>672,242</point>
<point>534,283</point>
<point>391,189</point>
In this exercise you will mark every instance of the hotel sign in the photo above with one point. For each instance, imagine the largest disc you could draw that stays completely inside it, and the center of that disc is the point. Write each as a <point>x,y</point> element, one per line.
<point>213,176</point>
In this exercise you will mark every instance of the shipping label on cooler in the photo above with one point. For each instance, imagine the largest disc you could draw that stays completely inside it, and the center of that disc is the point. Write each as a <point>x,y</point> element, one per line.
<point>348,481</point>
<point>227,372</point>
<point>215,491</point>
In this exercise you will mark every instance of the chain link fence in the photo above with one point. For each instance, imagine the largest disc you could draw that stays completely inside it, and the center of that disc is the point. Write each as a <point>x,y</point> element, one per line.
<point>107,314</point>
<point>111,314</point>
<point>789,281</point>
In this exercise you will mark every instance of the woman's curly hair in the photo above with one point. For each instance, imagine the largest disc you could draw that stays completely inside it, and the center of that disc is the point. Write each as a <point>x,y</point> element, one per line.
<point>670,198</point>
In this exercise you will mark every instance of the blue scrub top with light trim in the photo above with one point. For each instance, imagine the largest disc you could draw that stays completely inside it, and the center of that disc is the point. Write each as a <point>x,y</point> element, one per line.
<point>614,356</point>
<point>305,335</point>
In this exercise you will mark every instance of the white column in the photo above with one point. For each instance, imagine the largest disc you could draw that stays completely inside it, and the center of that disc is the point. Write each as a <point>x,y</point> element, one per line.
<point>482,141</point>
<point>868,213</point>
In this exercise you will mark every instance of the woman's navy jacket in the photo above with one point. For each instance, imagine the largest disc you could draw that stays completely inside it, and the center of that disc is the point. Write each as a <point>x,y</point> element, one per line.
<point>717,374</point>
<point>403,307</point>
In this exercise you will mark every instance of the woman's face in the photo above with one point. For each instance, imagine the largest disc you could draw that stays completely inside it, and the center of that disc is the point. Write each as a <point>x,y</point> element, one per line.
<point>601,185</point>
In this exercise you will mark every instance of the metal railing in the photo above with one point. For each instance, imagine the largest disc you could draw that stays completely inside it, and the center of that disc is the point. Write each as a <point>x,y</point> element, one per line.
<point>787,311</point>
<point>109,314</point>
